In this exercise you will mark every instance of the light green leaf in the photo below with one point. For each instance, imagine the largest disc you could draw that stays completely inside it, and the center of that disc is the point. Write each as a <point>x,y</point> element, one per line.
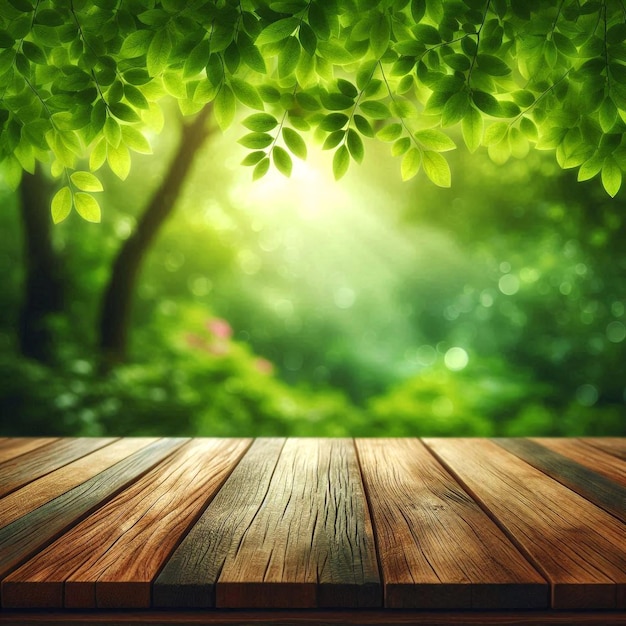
<point>112,132</point>
<point>355,145</point>
<point>400,146</point>
<point>435,140</point>
<point>197,59</point>
<point>159,52</point>
<point>246,93</point>
<point>380,35</point>
<point>277,31</point>
<point>288,57</point>
<point>607,114</point>
<point>294,142</point>
<point>136,44</point>
<point>455,109</point>
<point>437,168</point>
<point>256,141</point>
<point>282,161</point>
<point>224,107</point>
<point>253,158</point>
<point>119,160</point>
<point>411,163</point>
<point>375,109</point>
<point>472,128</point>
<point>527,126</point>
<point>85,181</point>
<point>590,168</point>
<point>363,126</point>
<point>611,176</point>
<point>341,161</point>
<point>260,122</point>
<point>98,155</point>
<point>390,132</point>
<point>261,168</point>
<point>134,140</point>
<point>61,204</point>
<point>87,207</point>
<point>495,133</point>
<point>333,140</point>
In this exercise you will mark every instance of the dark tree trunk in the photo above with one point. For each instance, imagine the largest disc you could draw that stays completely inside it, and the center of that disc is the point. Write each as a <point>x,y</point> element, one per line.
<point>118,297</point>
<point>43,285</point>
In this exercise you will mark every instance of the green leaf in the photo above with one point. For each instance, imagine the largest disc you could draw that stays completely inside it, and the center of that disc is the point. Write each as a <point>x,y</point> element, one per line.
<point>333,140</point>
<point>492,65</point>
<point>85,181</point>
<point>437,168</point>
<point>135,97</point>
<point>34,53</point>
<point>375,109</point>
<point>282,161</point>
<point>333,121</point>
<point>87,207</point>
<point>336,101</point>
<point>288,57</point>
<point>134,140</point>
<point>119,160</point>
<point>486,103</point>
<point>380,35</point>
<point>256,141</point>
<point>136,44</point>
<point>496,133</point>
<point>400,146</point>
<point>98,155</point>
<point>472,128</point>
<point>411,163</point>
<point>112,132</point>
<point>308,39</point>
<point>390,132</point>
<point>607,114</point>
<point>197,59</point>
<point>246,93</point>
<point>363,126</point>
<point>277,31</point>
<point>261,168</point>
<point>260,122</point>
<point>61,204</point>
<point>455,109</point>
<point>225,107</point>
<point>294,142</point>
<point>253,158</point>
<point>611,176</point>
<point>527,126</point>
<point>565,45</point>
<point>355,145</point>
<point>341,161</point>
<point>318,21</point>
<point>426,34</point>
<point>590,168</point>
<point>124,112</point>
<point>159,52</point>
<point>435,140</point>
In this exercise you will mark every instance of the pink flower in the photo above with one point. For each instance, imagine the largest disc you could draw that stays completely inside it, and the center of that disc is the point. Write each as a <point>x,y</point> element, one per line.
<point>219,328</point>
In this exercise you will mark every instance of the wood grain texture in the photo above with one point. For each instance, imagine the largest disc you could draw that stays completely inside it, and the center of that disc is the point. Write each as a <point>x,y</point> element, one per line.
<point>28,467</point>
<point>46,488</point>
<point>129,538</point>
<point>613,445</point>
<point>607,465</point>
<point>437,548</point>
<point>578,547</point>
<point>310,543</point>
<point>189,577</point>
<point>594,487</point>
<point>370,617</point>
<point>15,446</point>
<point>30,534</point>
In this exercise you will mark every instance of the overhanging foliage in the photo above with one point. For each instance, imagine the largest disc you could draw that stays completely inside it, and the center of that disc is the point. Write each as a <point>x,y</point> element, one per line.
<point>82,78</point>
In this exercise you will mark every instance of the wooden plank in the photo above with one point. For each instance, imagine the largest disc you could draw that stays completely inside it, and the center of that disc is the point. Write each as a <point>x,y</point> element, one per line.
<point>599,461</point>
<point>15,446</point>
<point>189,577</point>
<point>310,543</point>
<point>578,547</point>
<point>592,486</point>
<point>437,548</point>
<point>613,445</point>
<point>26,536</point>
<point>46,488</point>
<point>129,538</point>
<point>28,467</point>
<point>369,617</point>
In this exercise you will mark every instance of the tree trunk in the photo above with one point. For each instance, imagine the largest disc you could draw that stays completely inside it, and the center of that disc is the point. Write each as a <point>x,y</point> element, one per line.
<point>43,286</point>
<point>116,306</point>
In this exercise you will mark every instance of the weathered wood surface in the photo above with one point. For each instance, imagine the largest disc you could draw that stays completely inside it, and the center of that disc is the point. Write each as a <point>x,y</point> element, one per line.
<point>612,445</point>
<point>127,550</point>
<point>310,543</point>
<point>577,546</point>
<point>596,488</point>
<point>13,447</point>
<point>373,526</point>
<point>593,458</point>
<point>437,548</point>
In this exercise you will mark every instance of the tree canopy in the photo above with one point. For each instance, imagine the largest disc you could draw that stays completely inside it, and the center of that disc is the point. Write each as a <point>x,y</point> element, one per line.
<point>84,79</point>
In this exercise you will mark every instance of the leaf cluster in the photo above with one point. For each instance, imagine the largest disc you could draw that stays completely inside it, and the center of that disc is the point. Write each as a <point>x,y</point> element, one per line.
<point>85,78</point>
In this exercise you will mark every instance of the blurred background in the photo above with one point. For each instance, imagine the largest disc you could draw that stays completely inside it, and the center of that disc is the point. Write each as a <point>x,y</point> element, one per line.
<point>301,306</point>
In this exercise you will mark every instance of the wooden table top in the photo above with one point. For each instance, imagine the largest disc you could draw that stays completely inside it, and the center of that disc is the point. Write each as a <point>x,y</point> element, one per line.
<point>466,525</point>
